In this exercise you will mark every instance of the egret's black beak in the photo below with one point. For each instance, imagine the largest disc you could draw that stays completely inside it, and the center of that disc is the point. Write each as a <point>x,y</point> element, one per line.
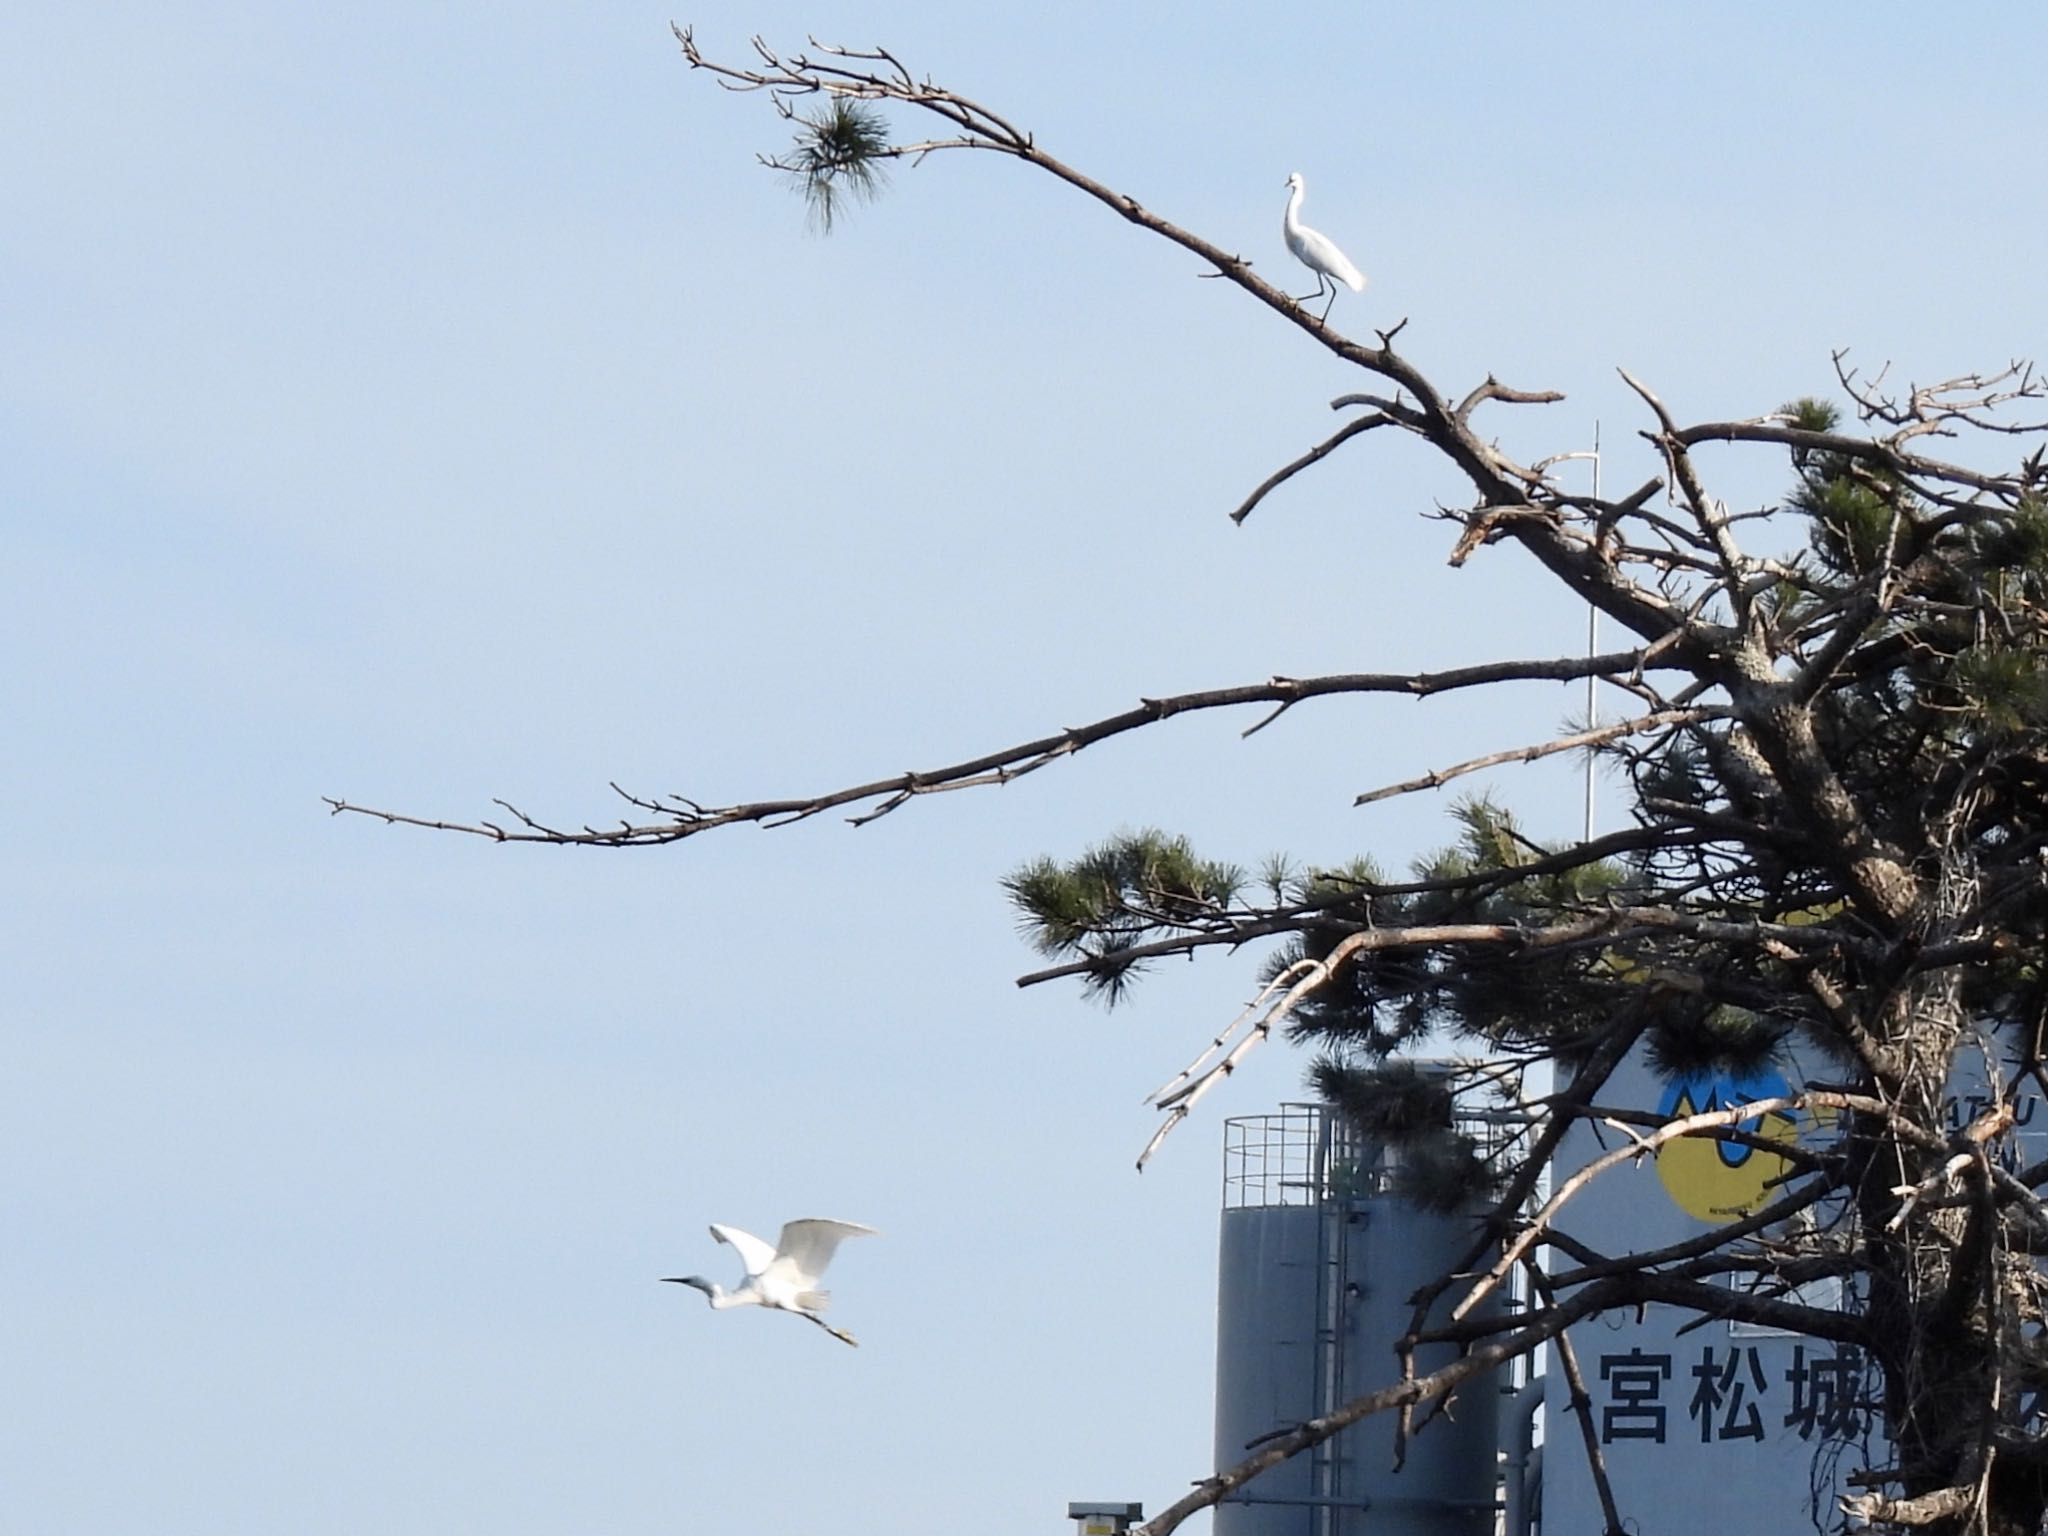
<point>671,1279</point>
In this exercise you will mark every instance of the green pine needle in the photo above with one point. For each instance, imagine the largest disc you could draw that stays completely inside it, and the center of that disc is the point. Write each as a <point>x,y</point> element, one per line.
<point>1390,1101</point>
<point>840,153</point>
<point>1811,415</point>
<point>1134,887</point>
<point>1683,1041</point>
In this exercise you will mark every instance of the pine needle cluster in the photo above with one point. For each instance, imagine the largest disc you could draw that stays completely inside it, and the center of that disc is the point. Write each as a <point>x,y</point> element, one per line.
<point>841,152</point>
<point>1131,887</point>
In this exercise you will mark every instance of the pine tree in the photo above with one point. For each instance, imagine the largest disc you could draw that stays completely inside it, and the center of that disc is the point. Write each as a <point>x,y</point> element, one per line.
<point>1837,841</point>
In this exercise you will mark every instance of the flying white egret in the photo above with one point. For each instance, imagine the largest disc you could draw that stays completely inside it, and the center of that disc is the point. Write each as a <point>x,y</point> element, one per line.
<point>1318,252</point>
<point>786,1276</point>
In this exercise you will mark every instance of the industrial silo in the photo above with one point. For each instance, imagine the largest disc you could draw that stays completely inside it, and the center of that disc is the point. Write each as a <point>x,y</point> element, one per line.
<point>1317,1262</point>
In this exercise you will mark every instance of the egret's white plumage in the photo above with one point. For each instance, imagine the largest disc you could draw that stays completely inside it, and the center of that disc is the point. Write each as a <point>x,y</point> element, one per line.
<point>785,1276</point>
<point>1317,251</point>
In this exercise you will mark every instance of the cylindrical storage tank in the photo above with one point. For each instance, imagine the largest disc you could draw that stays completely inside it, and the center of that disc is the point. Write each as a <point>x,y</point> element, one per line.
<point>1266,1357</point>
<point>1316,1265</point>
<point>1389,1250</point>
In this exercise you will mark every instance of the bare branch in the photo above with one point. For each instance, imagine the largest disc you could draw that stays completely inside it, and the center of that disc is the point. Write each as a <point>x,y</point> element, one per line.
<point>1477,459</point>
<point>1922,1509</point>
<point>1863,449</point>
<point>1580,1403</point>
<point>1688,1125</point>
<point>1493,389</point>
<point>1170,1088</point>
<point>1312,974</point>
<point>687,819</point>
<point>1707,1242</point>
<point>1660,720</point>
<point>1705,510</point>
<point>1321,451</point>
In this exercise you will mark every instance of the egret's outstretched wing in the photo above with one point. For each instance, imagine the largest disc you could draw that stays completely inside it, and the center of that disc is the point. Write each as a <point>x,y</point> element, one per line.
<point>754,1254</point>
<point>807,1246</point>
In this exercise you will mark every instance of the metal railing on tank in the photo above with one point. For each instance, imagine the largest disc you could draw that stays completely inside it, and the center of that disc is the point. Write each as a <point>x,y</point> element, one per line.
<point>1277,1159</point>
<point>1309,1154</point>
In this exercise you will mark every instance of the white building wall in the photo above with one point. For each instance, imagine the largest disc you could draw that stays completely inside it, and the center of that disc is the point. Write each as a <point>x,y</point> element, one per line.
<point>1715,1427</point>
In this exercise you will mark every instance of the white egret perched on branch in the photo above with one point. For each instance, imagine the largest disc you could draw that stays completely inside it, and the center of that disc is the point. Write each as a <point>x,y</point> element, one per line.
<point>786,1276</point>
<point>1318,252</point>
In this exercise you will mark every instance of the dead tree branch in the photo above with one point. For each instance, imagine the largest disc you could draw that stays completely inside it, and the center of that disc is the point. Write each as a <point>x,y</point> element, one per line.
<point>682,817</point>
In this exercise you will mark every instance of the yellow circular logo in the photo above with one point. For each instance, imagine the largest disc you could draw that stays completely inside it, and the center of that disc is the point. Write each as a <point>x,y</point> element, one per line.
<point>1714,1180</point>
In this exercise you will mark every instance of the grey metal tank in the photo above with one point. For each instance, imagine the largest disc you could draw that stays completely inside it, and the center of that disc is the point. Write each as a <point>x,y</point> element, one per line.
<point>1316,1264</point>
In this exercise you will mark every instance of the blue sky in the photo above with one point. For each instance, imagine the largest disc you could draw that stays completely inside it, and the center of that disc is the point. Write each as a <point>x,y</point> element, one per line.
<point>423,404</point>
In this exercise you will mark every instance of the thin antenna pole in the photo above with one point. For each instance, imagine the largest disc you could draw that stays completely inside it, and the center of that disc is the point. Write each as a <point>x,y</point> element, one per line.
<point>1592,650</point>
<point>1592,621</point>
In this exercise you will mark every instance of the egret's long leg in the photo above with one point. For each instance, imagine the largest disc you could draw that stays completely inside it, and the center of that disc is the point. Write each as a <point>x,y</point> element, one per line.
<point>1323,285</point>
<point>839,1334</point>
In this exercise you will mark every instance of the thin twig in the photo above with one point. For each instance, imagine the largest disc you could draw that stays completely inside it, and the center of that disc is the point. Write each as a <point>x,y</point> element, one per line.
<point>1658,720</point>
